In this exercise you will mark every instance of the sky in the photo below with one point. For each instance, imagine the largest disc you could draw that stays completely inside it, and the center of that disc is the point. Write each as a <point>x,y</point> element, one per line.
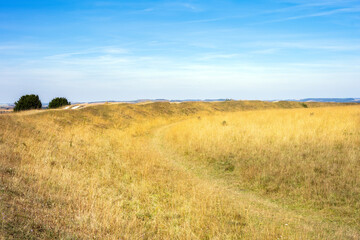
<point>184,49</point>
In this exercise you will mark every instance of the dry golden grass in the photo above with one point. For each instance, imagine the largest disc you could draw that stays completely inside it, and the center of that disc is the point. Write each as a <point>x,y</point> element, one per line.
<point>175,171</point>
<point>304,158</point>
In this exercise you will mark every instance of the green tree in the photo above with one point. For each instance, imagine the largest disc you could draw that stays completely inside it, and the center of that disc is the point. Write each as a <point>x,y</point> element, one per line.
<point>58,102</point>
<point>27,102</point>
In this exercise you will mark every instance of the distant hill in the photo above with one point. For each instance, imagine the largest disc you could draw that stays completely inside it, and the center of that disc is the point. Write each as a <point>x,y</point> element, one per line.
<point>6,106</point>
<point>341,100</point>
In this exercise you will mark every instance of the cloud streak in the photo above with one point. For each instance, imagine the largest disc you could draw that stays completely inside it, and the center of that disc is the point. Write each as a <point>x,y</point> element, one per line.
<point>318,14</point>
<point>98,50</point>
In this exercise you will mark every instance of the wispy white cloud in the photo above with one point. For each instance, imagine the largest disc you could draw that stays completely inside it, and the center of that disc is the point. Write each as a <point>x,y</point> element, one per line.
<point>190,6</point>
<point>344,66</point>
<point>148,9</point>
<point>132,77</point>
<point>167,6</point>
<point>206,20</point>
<point>318,14</point>
<point>306,5</point>
<point>213,56</point>
<point>181,5</point>
<point>265,51</point>
<point>311,45</point>
<point>318,8</point>
<point>98,50</point>
<point>12,47</point>
<point>203,45</point>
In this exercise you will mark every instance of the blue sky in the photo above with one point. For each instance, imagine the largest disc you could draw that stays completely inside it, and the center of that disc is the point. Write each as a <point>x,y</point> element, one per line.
<point>122,50</point>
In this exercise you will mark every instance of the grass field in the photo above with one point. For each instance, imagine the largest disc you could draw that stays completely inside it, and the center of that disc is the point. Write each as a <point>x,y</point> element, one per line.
<point>225,170</point>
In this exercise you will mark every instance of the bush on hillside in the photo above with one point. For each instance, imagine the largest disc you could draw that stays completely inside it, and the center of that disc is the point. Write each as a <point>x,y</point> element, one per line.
<point>304,105</point>
<point>27,102</point>
<point>58,102</point>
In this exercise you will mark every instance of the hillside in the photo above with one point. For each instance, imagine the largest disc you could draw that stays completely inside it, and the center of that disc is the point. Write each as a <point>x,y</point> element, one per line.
<point>192,170</point>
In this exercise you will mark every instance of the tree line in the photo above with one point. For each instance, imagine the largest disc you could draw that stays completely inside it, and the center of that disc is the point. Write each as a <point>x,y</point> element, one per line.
<point>32,101</point>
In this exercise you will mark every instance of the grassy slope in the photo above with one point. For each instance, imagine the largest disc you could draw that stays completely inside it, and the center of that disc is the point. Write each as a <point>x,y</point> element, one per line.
<point>305,159</point>
<point>106,171</point>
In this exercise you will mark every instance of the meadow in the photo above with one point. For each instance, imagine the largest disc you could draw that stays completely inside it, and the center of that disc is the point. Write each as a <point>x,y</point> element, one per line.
<point>193,170</point>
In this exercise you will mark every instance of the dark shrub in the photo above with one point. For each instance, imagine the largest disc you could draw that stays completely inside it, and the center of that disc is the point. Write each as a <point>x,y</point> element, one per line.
<point>58,102</point>
<point>27,102</point>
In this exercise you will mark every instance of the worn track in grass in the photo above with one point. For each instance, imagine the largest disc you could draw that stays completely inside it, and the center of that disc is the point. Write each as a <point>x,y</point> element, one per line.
<point>266,216</point>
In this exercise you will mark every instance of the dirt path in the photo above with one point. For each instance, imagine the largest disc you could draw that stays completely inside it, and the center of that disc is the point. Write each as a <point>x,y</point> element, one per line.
<point>262,214</point>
